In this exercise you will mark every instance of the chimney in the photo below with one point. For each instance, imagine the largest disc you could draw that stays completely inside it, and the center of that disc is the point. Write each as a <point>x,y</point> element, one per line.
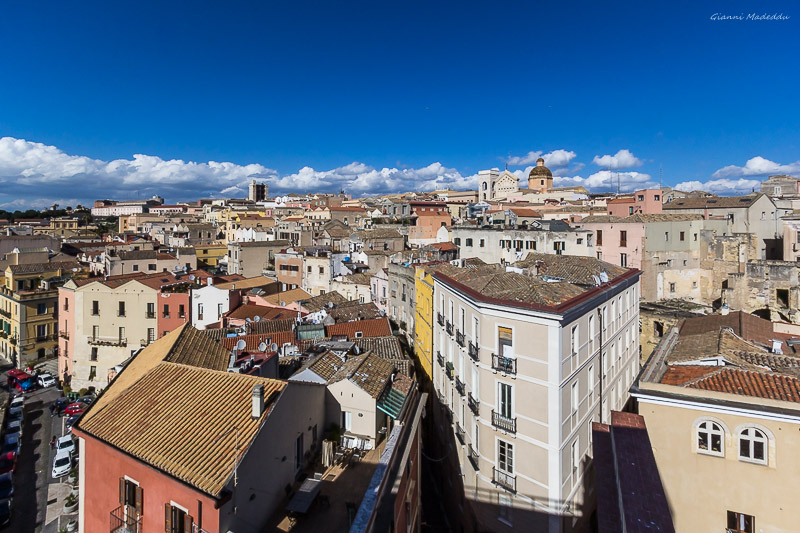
<point>258,401</point>
<point>209,281</point>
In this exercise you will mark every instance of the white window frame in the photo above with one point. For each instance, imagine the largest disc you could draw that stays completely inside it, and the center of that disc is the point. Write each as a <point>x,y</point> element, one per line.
<point>752,438</point>
<point>509,448</point>
<point>707,426</point>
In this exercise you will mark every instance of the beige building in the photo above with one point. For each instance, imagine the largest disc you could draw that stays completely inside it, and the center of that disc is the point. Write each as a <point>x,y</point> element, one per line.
<point>525,362</point>
<point>251,259</point>
<point>720,398</point>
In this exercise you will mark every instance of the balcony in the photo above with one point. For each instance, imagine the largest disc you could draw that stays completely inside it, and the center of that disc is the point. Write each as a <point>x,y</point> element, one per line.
<point>503,422</point>
<point>440,358</point>
<point>107,341</point>
<point>504,364</point>
<point>448,327</point>
<point>5,313</point>
<point>460,434</point>
<point>460,338</point>
<point>472,350</point>
<point>460,386</point>
<point>473,457</point>
<point>125,522</point>
<point>505,480</point>
<point>64,334</point>
<point>473,404</point>
<point>448,370</point>
<point>440,319</point>
<point>150,314</point>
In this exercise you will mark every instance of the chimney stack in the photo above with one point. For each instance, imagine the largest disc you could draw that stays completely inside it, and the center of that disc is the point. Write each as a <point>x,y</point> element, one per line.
<point>258,401</point>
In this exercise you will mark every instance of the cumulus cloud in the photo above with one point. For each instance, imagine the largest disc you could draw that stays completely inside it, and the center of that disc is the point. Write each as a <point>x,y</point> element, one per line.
<point>28,169</point>
<point>722,187</point>
<point>555,159</point>
<point>757,166</point>
<point>622,159</point>
<point>607,181</point>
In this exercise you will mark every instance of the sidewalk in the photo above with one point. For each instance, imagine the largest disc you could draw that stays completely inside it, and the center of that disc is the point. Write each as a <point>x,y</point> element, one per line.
<point>55,517</point>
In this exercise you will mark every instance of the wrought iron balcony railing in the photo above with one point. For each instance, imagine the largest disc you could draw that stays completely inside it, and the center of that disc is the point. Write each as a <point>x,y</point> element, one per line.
<point>503,422</point>
<point>472,350</point>
<point>504,479</point>
<point>459,386</point>
<point>505,364</point>
<point>474,405</point>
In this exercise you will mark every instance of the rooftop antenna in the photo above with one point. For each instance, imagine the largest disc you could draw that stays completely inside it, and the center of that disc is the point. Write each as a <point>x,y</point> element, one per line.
<point>661,176</point>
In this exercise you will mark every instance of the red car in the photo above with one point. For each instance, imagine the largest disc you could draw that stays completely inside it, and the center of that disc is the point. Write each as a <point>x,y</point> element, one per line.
<point>75,408</point>
<point>8,461</point>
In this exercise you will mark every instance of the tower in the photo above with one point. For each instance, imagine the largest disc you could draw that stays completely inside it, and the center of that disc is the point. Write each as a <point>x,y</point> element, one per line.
<point>258,192</point>
<point>540,179</point>
<point>486,180</point>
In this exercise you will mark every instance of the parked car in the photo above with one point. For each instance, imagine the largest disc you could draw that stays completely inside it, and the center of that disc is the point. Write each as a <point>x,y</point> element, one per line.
<point>6,485</point>
<point>5,512</point>
<point>61,404</point>
<point>62,464</point>
<point>8,461</point>
<point>66,445</point>
<point>11,443</point>
<point>14,427</point>
<point>15,413</point>
<point>45,380</point>
<point>75,408</point>
<point>16,402</point>
<point>71,422</point>
<point>86,399</point>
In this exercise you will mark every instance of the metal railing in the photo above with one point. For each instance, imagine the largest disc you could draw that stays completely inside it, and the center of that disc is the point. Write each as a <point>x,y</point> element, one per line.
<point>503,422</point>
<point>440,358</point>
<point>123,521</point>
<point>474,457</point>
<point>505,364</point>
<point>472,350</point>
<point>64,334</point>
<point>473,404</point>
<point>460,338</point>
<point>459,386</point>
<point>448,327</point>
<point>440,319</point>
<point>150,314</point>
<point>504,479</point>
<point>460,433</point>
<point>448,370</point>
<point>108,341</point>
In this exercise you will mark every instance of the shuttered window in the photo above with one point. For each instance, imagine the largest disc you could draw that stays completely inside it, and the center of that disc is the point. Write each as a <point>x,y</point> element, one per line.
<point>176,520</point>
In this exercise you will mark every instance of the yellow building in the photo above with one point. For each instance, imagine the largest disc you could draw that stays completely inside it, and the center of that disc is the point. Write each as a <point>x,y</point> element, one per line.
<point>209,255</point>
<point>423,323</point>
<point>28,301</point>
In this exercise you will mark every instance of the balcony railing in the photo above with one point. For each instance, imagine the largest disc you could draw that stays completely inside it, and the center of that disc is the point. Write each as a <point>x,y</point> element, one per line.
<point>505,480</point>
<point>460,386</point>
<point>474,405</point>
<point>460,338</point>
<point>505,364</point>
<point>125,522</point>
<point>440,358</point>
<point>448,370</point>
<point>462,436</point>
<point>503,422</point>
<point>440,319</point>
<point>64,334</point>
<point>474,457</point>
<point>150,314</point>
<point>448,327</point>
<point>472,350</point>
<point>5,313</point>
<point>107,341</point>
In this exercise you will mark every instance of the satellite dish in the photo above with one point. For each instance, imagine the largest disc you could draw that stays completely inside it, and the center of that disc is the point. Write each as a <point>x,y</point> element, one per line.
<point>241,345</point>
<point>191,277</point>
<point>330,305</point>
<point>74,269</point>
<point>262,347</point>
<point>273,347</point>
<point>247,320</point>
<point>257,318</point>
<point>176,268</point>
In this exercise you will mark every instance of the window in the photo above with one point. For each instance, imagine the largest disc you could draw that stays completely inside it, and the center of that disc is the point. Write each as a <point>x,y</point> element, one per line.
<point>136,268</point>
<point>93,355</point>
<point>219,310</point>
<point>504,393</point>
<point>504,341</point>
<point>66,304</point>
<point>574,400</point>
<point>121,309</point>
<point>623,260</point>
<point>695,236</point>
<point>630,210</point>
<point>741,523</point>
<point>657,197</point>
<point>457,241</point>
<point>41,309</point>
<point>483,243</point>
<point>576,459</point>
<point>298,453</point>
<point>671,287</point>
<point>599,237</point>
<point>468,242</point>
<point>347,420</point>
<point>309,269</point>
<point>200,311</point>
<point>177,520</point>
<point>151,335</point>
<point>95,332</point>
<point>623,238</point>
<point>151,310</point>
<point>666,236</point>
<point>573,340</point>
<point>683,236</point>
<point>181,311</point>
<point>591,333</point>
<point>640,197</point>
<point>591,388</point>
<point>709,438</point>
<point>505,457</point>
<point>321,271</point>
<point>41,331</point>
<point>151,267</point>
<point>753,446</point>
<point>95,307</point>
<point>166,310</point>
<point>504,507</point>
<point>130,494</point>
<point>122,333</point>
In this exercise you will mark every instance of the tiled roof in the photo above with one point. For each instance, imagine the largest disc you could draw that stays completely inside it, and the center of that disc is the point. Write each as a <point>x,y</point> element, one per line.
<point>380,233</point>
<point>194,348</point>
<point>263,244</point>
<point>357,279</point>
<point>378,327</point>
<point>179,419</point>
<point>387,347</point>
<point>575,269</point>
<point>360,311</point>
<point>326,365</point>
<point>680,374</point>
<point>253,340</point>
<point>367,371</point>
<point>248,283</point>
<point>312,305</point>
<point>713,202</point>
<point>36,268</point>
<point>767,385</point>
<point>288,297</point>
<point>136,255</point>
<point>269,313</point>
<point>271,326</point>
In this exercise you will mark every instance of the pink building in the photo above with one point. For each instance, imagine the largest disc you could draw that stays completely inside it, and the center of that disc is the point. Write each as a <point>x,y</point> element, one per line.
<point>380,289</point>
<point>66,331</point>
<point>617,241</point>
<point>646,201</point>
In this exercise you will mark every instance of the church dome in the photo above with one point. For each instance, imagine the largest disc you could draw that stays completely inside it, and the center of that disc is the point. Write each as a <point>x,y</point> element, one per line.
<point>540,171</point>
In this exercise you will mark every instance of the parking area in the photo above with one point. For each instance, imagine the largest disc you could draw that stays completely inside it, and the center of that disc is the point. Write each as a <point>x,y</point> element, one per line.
<point>38,498</point>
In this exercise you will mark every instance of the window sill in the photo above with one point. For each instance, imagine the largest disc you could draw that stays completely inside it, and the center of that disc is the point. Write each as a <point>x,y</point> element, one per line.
<point>753,461</point>
<point>710,453</point>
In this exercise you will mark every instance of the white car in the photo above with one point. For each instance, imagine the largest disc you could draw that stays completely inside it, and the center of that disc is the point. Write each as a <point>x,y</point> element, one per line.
<point>65,445</point>
<point>62,464</point>
<point>45,380</point>
<point>16,402</point>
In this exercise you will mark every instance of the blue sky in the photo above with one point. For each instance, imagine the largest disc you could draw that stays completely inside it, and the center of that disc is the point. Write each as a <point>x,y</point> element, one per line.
<point>376,97</point>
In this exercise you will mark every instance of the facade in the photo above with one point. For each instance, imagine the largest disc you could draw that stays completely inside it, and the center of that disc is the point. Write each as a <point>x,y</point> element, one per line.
<point>646,201</point>
<point>257,192</point>
<point>402,303</point>
<point>719,400</point>
<point>210,303</point>
<point>251,259</point>
<point>380,289</point>
<point>289,269</point>
<point>781,187</point>
<point>523,367</point>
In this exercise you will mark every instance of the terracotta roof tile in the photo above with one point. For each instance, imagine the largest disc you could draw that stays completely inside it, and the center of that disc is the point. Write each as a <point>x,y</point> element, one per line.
<point>253,340</point>
<point>751,383</point>
<point>378,327</point>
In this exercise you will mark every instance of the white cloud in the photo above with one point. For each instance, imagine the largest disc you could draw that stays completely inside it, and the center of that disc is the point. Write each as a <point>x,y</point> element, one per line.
<point>23,204</point>
<point>757,166</point>
<point>555,159</point>
<point>622,159</point>
<point>722,186</point>
<point>608,181</point>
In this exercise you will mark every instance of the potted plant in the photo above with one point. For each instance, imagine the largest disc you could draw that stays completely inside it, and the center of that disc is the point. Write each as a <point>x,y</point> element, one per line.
<point>72,525</point>
<point>71,503</point>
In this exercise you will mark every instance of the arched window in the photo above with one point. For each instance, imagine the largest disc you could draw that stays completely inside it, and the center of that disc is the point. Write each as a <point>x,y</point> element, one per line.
<point>484,185</point>
<point>710,438</point>
<point>753,446</point>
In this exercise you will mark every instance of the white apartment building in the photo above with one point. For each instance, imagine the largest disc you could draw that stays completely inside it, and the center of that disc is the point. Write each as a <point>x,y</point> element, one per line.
<point>527,359</point>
